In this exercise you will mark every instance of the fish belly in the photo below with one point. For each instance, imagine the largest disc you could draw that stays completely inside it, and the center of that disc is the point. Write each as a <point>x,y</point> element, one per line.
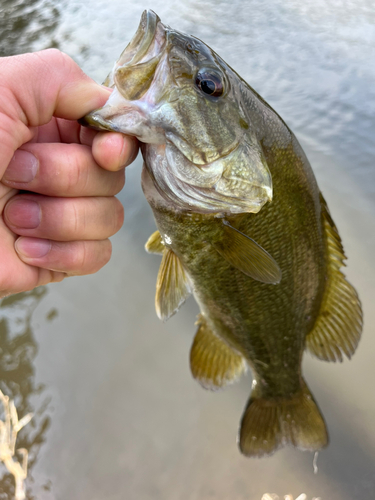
<point>266,323</point>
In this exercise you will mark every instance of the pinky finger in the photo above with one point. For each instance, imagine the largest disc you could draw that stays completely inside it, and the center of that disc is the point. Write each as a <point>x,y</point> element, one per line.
<point>46,276</point>
<point>60,259</point>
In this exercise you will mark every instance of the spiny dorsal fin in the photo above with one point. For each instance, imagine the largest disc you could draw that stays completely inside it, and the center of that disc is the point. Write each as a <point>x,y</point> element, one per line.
<point>246,255</point>
<point>339,325</point>
<point>269,424</point>
<point>212,362</point>
<point>155,244</point>
<point>173,285</point>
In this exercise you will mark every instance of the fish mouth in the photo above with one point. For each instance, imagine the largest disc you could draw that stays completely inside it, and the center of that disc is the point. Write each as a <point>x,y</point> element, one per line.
<point>95,121</point>
<point>132,74</point>
<point>139,45</point>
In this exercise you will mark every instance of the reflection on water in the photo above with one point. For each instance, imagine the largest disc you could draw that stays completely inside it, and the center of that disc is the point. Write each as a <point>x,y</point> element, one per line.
<point>25,22</point>
<point>18,349</point>
<point>273,496</point>
<point>25,25</point>
<point>10,426</point>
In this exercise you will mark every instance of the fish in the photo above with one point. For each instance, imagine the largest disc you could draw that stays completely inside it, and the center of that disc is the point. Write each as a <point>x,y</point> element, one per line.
<point>241,225</point>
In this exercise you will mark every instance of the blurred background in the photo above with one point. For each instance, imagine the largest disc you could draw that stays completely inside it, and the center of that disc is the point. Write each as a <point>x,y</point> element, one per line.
<point>117,413</point>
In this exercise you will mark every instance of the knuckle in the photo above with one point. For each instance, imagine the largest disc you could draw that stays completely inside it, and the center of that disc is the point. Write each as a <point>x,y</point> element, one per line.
<point>118,182</point>
<point>79,256</point>
<point>56,55</point>
<point>72,220</point>
<point>49,276</point>
<point>118,219</point>
<point>77,175</point>
<point>57,276</point>
<point>78,218</point>
<point>5,287</point>
<point>11,283</point>
<point>106,252</point>
<point>90,257</point>
<point>52,53</point>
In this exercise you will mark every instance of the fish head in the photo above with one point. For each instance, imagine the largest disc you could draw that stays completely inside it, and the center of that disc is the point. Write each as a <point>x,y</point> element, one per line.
<point>183,102</point>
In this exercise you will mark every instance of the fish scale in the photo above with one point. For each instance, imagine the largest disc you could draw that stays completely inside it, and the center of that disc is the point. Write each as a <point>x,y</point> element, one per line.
<point>255,311</point>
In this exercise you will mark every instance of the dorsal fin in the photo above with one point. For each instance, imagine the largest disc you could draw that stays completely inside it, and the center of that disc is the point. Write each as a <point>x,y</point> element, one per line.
<point>212,362</point>
<point>246,255</point>
<point>173,285</point>
<point>155,243</point>
<point>339,325</point>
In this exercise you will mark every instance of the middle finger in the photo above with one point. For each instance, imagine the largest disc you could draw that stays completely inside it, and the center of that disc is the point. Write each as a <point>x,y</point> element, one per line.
<point>67,170</point>
<point>64,219</point>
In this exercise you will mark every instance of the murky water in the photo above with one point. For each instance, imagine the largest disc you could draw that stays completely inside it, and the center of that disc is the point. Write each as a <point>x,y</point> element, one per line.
<point>117,412</point>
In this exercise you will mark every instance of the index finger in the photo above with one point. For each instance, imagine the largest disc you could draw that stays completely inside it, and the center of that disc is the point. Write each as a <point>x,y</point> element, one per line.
<point>113,150</point>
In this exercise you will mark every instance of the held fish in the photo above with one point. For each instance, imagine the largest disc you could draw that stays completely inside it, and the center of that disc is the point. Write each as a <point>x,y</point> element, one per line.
<point>241,224</point>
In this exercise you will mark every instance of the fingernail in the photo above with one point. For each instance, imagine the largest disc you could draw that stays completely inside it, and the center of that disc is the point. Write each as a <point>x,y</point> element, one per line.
<point>129,152</point>
<point>22,167</point>
<point>32,248</point>
<point>124,155</point>
<point>24,214</point>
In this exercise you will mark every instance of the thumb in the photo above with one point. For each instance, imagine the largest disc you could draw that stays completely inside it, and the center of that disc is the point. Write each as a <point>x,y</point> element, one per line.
<point>34,88</point>
<point>49,83</point>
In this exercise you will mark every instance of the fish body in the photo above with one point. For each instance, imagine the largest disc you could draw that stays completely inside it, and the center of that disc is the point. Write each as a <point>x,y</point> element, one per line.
<point>241,224</point>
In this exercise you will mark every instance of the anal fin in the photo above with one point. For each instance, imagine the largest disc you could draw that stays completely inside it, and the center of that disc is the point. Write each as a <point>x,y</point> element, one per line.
<point>339,325</point>
<point>173,285</point>
<point>269,424</point>
<point>212,362</point>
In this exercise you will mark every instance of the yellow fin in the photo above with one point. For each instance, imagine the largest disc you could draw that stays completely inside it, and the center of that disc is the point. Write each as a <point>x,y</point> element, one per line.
<point>107,81</point>
<point>339,325</point>
<point>270,424</point>
<point>212,362</point>
<point>172,286</point>
<point>246,255</point>
<point>155,244</point>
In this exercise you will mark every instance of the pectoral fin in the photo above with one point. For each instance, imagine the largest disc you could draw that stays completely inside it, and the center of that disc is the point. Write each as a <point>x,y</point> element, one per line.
<point>212,362</point>
<point>246,255</point>
<point>338,328</point>
<point>173,285</point>
<point>155,244</point>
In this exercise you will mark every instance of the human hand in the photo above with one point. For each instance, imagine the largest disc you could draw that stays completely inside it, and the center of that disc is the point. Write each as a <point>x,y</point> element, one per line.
<point>61,225</point>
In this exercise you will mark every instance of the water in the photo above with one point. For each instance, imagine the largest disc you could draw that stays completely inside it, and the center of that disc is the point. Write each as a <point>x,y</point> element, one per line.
<point>117,412</point>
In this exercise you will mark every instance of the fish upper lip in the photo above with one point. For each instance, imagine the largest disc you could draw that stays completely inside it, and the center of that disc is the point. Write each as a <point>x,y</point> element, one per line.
<point>135,69</point>
<point>142,40</point>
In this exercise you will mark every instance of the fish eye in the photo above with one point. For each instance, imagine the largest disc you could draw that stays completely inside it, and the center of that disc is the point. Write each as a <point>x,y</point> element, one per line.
<point>210,82</point>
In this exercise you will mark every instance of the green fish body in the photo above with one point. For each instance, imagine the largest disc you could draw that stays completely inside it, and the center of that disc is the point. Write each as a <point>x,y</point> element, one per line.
<point>241,224</point>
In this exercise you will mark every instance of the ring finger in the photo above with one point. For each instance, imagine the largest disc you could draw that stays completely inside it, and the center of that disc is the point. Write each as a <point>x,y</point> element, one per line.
<point>64,219</point>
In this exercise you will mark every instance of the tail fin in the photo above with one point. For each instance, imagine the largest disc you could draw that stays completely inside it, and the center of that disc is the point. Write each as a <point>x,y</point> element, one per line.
<point>269,424</point>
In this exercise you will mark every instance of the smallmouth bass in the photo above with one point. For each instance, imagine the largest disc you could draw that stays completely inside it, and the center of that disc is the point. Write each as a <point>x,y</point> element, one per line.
<point>241,224</point>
